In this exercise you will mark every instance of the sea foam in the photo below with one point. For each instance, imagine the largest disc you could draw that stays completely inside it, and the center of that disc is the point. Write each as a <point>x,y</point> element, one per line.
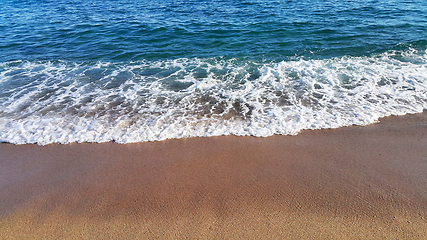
<point>124,102</point>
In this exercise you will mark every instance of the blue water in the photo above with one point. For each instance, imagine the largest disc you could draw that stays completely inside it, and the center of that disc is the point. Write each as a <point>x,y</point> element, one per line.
<point>157,30</point>
<point>135,71</point>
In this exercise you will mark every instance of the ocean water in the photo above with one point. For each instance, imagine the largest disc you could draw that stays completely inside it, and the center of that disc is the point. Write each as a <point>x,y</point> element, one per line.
<point>135,71</point>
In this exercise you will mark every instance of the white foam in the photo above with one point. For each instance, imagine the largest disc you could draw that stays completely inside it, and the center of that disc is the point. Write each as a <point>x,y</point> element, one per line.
<point>63,102</point>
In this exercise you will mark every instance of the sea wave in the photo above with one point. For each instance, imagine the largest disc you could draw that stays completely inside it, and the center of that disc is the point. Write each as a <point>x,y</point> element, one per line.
<point>62,102</point>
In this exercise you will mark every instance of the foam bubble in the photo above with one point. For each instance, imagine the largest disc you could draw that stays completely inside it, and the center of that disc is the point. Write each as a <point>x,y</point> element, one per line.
<point>64,102</point>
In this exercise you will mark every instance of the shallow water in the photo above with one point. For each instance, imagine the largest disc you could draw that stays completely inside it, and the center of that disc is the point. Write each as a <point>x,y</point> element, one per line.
<point>96,71</point>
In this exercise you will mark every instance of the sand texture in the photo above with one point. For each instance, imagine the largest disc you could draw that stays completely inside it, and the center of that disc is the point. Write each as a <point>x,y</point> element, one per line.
<point>348,183</point>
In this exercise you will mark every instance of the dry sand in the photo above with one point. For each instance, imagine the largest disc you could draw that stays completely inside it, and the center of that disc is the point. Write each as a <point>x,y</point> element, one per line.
<point>348,183</point>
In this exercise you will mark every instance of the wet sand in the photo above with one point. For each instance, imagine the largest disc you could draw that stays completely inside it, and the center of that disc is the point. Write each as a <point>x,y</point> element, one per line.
<point>353,182</point>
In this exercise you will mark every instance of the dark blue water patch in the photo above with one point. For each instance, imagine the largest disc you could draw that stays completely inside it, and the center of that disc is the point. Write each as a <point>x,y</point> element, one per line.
<point>136,30</point>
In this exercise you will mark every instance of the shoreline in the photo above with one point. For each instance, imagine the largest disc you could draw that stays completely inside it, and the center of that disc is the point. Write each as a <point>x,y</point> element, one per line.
<point>350,182</point>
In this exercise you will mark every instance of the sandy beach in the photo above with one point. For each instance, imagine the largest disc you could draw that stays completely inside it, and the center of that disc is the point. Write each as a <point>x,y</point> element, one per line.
<point>349,183</point>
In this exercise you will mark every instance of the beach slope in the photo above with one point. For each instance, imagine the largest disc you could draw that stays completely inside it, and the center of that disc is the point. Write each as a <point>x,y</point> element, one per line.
<point>352,182</point>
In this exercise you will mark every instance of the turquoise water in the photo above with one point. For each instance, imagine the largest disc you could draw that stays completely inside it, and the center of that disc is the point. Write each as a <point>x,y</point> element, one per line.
<point>135,71</point>
<point>158,30</point>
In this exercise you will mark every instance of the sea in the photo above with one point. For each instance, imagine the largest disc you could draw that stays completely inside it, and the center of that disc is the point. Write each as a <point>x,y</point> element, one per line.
<point>130,71</point>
